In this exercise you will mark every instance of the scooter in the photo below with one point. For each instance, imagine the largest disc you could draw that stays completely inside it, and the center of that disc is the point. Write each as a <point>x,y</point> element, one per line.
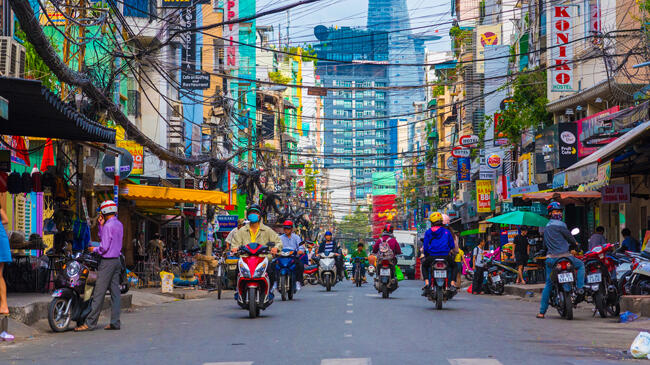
<point>327,270</point>
<point>286,268</point>
<point>468,272</point>
<point>640,279</point>
<point>385,282</point>
<point>73,294</point>
<point>439,284</point>
<point>311,274</point>
<point>600,287</point>
<point>371,270</point>
<point>357,264</point>
<point>253,289</point>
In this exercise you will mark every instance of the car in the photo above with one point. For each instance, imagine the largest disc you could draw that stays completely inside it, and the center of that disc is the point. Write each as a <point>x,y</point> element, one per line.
<point>407,243</point>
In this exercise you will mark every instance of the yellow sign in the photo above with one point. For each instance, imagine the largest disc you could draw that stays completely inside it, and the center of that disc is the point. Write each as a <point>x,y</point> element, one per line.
<point>137,151</point>
<point>486,35</point>
<point>483,196</point>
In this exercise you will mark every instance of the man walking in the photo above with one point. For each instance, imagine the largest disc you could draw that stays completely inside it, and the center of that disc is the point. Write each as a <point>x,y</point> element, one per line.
<point>108,275</point>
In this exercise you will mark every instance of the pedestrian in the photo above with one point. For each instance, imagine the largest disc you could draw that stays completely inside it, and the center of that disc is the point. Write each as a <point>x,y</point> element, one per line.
<point>5,256</point>
<point>458,262</point>
<point>111,232</point>
<point>479,267</point>
<point>140,249</point>
<point>598,238</point>
<point>629,242</point>
<point>156,249</point>
<point>231,234</point>
<point>521,253</point>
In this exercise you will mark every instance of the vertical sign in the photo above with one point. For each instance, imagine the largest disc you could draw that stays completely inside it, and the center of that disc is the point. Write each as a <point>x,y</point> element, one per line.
<point>483,196</point>
<point>231,33</point>
<point>561,48</point>
<point>568,142</point>
<point>464,167</point>
<point>594,13</point>
<point>188,39</point>
<point>486,35</point>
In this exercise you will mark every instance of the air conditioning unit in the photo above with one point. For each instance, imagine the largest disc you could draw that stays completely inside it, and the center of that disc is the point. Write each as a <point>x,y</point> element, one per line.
<point>176,125</point>
<point>12,58</point>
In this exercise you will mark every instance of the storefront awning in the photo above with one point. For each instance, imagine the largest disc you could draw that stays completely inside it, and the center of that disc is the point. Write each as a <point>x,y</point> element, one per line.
<point>566,197</point>
<point>34,111</point>
<point>177,195</point>
<point>586,170</point>
<point>469,232</point>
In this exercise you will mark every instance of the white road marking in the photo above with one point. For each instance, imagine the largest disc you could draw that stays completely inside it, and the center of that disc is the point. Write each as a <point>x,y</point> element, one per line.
<point>349,312</point>
<point>348,321</point>
<point>350,304</point>
<point>229,363</point>
<point>347,335</point>
<point>360,361</point>
<point>474,362</point>
<point>373,295</point>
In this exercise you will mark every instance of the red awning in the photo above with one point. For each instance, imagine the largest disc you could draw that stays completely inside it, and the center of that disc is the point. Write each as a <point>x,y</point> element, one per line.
<point>565,197</point>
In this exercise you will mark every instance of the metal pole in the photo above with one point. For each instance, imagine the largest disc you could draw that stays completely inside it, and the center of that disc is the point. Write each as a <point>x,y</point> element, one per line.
<point>116,183</point>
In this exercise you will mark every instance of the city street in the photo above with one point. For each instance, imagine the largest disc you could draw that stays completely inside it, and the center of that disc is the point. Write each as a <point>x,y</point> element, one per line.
<point>347,326</point>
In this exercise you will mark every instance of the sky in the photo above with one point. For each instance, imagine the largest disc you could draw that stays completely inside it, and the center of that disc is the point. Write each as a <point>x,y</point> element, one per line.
<point>428,16</point>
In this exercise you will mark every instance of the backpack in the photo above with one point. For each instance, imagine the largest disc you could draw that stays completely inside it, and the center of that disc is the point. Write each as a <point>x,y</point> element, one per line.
<point>26,182</point>
<point>385,252</point>
<point>13,183</point>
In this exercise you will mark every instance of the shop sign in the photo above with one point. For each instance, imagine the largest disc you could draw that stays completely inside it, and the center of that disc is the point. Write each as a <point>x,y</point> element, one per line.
<point>137,152</point>
<point>535,207</point>
<point>568,142</point>
<point>227,223</point>
<point>187,40</point>
<point>483,196</point>
<point>524,189</point>
<point>195,80</point>
<point>463,171</point>
<point>468,140</point>
<point>589,127</point>
<point>486,35</point>
<point>561,42</point>
<point>559,180</point>
<point>176,3</point>
<point>231,34</point>
<point>581,175</point>
<point>126,164</point>
<point>604,172</point>
<point>452,163</point>
<point>460,152</point>
<point>617,193</point>
<point>594,13</point>
<point>444,192</point>
<point>493,161</point>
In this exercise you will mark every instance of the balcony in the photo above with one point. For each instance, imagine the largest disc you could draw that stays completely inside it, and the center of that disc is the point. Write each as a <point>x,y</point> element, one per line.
<point>142,17</point>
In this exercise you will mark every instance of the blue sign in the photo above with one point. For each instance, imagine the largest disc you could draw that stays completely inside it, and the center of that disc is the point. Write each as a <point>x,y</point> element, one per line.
<point>227,222</point>
<point>464,168</point>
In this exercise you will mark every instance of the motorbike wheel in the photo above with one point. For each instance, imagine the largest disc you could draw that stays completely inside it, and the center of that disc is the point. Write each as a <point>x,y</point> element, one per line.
<point>328,282</point>
<point>253,311</point>
<point>498,289</point>
<point>568,306</point>
<point>219,281</point>
<point>384,292</point>
<point>357,277</point>
<point>642,287</point>
<point>469,277</point>
<point>283,287</point>
<point>58,321</point>
<point>439,298</point>
<point>599,301</point>
<point>313,281</point>
<point>291,285</point>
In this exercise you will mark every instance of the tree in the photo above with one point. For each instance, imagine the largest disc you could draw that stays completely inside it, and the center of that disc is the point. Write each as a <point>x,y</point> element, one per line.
<point>35,67</point>
<point>356,226</point>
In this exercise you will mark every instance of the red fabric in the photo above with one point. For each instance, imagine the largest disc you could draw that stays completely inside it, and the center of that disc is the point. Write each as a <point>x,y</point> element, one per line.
<point>48,155</point>
<point>382,208</point>
<point>21,149</point>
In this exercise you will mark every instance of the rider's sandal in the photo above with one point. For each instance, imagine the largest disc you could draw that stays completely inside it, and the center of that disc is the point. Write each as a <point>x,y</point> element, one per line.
<point>82,328</point>
<point>540,316</point>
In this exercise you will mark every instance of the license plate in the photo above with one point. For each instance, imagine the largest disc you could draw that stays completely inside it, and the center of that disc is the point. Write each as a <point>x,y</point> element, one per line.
<point>594,278</point>
<point>384,272</point>
<point>496,278</point>
<point>565,277</point>
<point>57,293</point>
<point>439,274</point>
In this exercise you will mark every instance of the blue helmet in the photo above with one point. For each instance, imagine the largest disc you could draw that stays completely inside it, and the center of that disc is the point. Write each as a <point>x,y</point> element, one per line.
<point>328,233</point>
<point>553,206</point>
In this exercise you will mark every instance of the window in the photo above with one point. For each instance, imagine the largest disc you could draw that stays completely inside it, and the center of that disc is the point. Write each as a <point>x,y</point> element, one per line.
<point>339,141</point>
<point>338,150</point>
<point>368,113</point>
<point>347,104</point>
<point>337,102</point>
<point>380,104</point>
<point>381,162</point>
<point>380,95</point>
<point>359,114</point>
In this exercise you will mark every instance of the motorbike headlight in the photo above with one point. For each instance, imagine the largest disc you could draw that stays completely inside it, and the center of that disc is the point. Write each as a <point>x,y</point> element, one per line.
<point>243,270</point>
<point>261,269</point>
<point>73,269</point>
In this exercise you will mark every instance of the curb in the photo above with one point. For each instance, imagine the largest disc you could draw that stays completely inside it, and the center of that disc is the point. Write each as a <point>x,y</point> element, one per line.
<point>639,304</point>
<point>522,292</point>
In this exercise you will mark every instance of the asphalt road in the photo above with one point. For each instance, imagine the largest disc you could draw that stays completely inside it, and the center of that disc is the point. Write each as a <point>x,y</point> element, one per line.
<point>347,326</point>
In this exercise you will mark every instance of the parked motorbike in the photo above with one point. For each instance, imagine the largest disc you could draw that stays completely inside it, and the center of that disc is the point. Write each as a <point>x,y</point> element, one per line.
<point>286,268</point>
<point>357,263</point>
<point>439,284</point>
<point>327,270</point>
<point>563,289</point>
<point>74,286</point>
<point>639,282</point>
<point>385,282</point>
<point>253,290</point>
<point>600,287</point>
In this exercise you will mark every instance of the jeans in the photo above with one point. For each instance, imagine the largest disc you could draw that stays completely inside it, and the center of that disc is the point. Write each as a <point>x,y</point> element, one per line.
<point>429,260</point>
<point>477,281</point>
<point>550,263</point>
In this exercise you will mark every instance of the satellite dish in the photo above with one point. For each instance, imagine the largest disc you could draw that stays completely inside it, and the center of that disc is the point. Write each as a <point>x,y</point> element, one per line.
<point>321,32</point>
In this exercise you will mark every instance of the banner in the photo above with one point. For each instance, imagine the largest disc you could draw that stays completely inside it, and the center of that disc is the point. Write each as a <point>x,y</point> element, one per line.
<point>561,43</point>
<point>137,151</point>
<point>188,40</point>
<point>383,211</point>
<point>617,193</point>
<point>483,196</point>
<point>568,143</point>
<point>226,223</point>
<point>463,172</point>
<point>486,35</point>
<point>586,145</point>
<point>231,34</point>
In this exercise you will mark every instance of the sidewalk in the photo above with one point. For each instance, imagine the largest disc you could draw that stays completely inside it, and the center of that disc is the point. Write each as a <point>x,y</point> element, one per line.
<point>525,290</point>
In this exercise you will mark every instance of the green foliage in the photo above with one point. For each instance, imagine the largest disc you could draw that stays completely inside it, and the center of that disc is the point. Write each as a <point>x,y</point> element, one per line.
<point>279,78</point>
<point>438,90</point>
<point>356,226</point>
<point>35,68</point>
<point>528,106</point>
<point>460,37</point>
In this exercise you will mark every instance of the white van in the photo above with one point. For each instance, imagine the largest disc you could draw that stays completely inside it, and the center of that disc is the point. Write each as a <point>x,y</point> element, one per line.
<point>407,242</point>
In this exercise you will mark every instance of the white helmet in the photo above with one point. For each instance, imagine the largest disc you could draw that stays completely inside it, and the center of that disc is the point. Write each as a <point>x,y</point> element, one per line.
<point>108,207</point>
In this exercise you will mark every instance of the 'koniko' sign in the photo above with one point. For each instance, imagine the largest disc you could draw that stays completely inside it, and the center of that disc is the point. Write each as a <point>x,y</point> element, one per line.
<point>231,33</point>
<point>561,48</point>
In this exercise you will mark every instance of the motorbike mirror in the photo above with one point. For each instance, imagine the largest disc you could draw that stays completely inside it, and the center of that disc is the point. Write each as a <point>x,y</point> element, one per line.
<point>575,231</point>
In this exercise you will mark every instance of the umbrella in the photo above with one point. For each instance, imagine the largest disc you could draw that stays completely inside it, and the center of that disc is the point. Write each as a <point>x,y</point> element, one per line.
<point>520,218</point>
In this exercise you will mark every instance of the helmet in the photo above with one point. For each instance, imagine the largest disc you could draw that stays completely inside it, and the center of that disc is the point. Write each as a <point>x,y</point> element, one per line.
<point>388,228</point>
<point>445,219</point>
<point>328,233</point>
<point>435,217</point>
<point>254,208</point>
<point>553,206</point>
<point>288,224</point>
<point>108,207</point>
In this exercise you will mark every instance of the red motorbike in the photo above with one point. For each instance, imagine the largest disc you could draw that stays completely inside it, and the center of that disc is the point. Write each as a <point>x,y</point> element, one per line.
<point>253,289</point>
<point>600,280</point>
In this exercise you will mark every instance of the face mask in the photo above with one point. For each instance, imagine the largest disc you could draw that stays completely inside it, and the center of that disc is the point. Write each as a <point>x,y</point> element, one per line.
<point>253,217</point>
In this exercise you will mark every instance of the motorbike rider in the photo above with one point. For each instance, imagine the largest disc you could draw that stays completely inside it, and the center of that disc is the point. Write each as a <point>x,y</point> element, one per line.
<point>557,241</point>
<point>258,232</point>
<point>360,253</point>
<point>329,245</point>
<point>438,243</point>
<point>291,241</point>
<point>387,236</point>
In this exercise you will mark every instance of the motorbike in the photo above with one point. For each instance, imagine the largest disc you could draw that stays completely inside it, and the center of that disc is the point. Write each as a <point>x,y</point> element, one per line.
<point>439,284</point>
<point>311,274</point>
<point>563,289</point>
<point>385,281</point>
<point>600,287</point>
<point>357,263</point>
<point>327,270</point>
<point>371,270</point>
<point>639,282</point>
<point>286,268</point>
<point>73,294</point>
<point>468,272</point>
<point>253,290</point>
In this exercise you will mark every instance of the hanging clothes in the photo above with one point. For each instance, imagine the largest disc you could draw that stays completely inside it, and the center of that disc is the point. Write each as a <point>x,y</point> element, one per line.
<point>80,235</point>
